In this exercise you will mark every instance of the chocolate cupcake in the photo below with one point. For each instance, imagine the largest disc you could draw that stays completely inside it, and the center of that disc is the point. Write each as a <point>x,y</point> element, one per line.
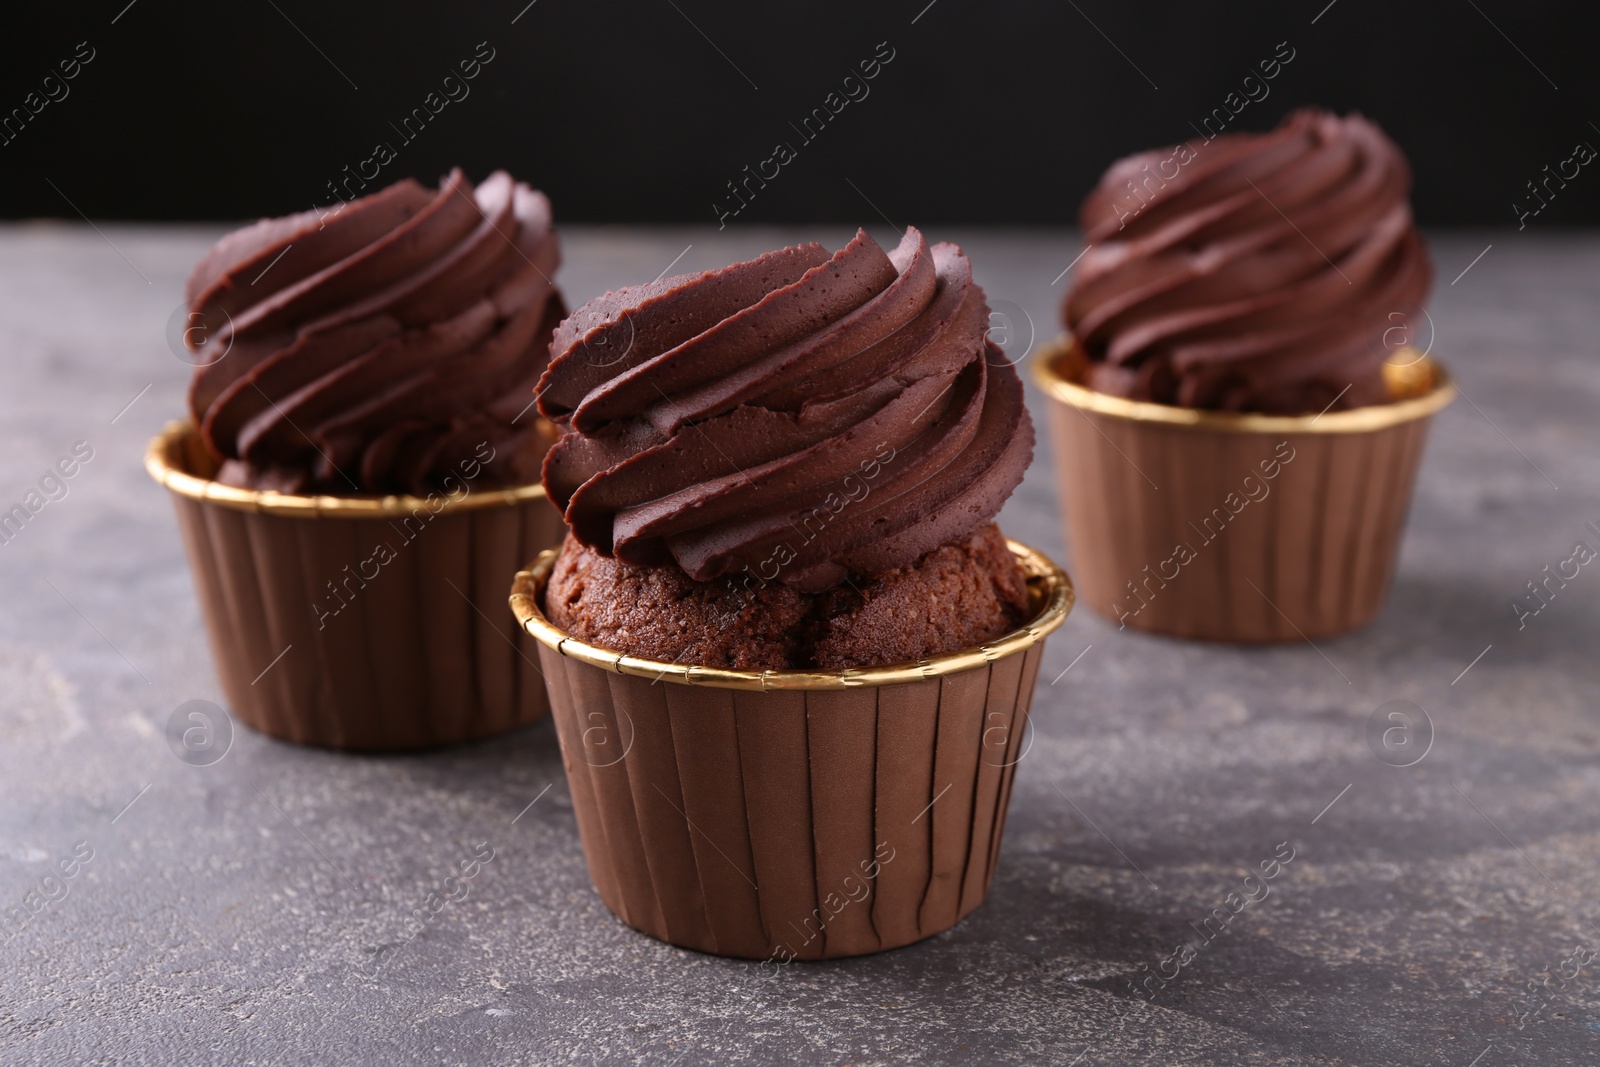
<point>1240,410</point>
<point>370,368</point>
<point>783,622</point>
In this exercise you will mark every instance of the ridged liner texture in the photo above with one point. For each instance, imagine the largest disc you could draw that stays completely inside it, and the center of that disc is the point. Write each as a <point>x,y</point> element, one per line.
<point>788,814</point>
<point>1312,557</point>
<point>422,656</point>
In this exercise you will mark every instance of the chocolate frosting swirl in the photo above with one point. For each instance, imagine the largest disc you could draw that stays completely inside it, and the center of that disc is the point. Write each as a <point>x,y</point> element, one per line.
<point>380,346</point>
<point>798,417</point>
<point>1253,272</point>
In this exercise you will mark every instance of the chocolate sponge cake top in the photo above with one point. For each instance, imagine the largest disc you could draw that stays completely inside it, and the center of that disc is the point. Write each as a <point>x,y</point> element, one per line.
<point>956,596</point>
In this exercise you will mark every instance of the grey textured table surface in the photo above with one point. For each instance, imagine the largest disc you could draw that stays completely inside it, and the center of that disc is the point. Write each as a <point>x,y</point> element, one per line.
<point>228,910</point>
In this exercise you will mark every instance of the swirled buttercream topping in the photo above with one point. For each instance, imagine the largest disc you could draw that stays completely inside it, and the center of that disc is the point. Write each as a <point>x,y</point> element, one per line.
<point>799,417</point>
<point>380,346</point>
<point>1256,272</point>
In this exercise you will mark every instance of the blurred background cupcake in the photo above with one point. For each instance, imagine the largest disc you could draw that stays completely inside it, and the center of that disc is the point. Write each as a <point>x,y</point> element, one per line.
<point>360,474</point>
<point>1239,408</point>
<point>784,634</point>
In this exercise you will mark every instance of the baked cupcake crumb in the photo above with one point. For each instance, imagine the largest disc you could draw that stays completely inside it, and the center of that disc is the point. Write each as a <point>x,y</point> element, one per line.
<point>954,597</point>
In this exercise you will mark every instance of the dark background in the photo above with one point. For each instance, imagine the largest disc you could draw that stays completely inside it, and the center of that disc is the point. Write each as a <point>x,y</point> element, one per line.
<point>643,111</point>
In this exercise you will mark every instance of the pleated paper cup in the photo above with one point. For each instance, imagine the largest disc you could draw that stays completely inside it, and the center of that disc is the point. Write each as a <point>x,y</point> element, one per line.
<point>1230,526</point>
<point>787,814</point>
<point>364,623</point>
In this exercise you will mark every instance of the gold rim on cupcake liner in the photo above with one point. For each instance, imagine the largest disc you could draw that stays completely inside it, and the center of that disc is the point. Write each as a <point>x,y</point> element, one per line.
<point>1049,591</point>
<point>177,451</point>
<point>1420,387</point>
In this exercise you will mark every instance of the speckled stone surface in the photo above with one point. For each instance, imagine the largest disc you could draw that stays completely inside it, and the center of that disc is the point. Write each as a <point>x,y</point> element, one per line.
<point>232,912</point>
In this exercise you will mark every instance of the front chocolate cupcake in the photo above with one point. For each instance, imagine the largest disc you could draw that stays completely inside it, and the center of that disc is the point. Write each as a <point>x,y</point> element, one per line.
<point>1239,416</point>
<point>390,347</point>
<point>780,479</point>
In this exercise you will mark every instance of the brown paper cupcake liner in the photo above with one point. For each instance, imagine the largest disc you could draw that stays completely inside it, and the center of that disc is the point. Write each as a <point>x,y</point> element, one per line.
<point>1236,527</point>
<point>777,815</point>
<point>365,623</point>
